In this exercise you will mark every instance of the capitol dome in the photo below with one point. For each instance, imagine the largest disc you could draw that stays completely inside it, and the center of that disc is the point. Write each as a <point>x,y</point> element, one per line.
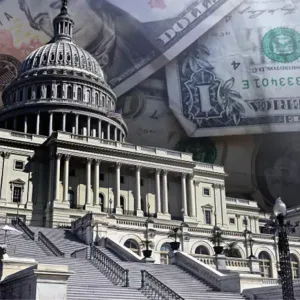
<point>62,54</point>
<point>61,87</point>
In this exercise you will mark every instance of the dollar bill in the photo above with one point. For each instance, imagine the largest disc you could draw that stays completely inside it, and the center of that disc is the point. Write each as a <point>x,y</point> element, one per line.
<point>148,117</point>
<point>259,167</point>
<point>131,39</point>
<point>241,77</point>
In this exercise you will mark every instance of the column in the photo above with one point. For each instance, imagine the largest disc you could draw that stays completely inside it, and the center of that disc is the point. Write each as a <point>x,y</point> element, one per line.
<point>116,134</point>
<point>165,192</point>
<point>66,178</point>
<point>15,123</point>
<point>88,126</point>
<point>64,122</point>
<point>157,191</point>
<point>25,124</point>
<point>37,124</point>
<point>4,177</point>
<point>117,193</point>
<point>138,191</point>
<point>96,182</point>
<point>99,129</point>
<point>32,168</point>
<point>183,194</point>
<point>57,177</point>
<point>108,131</point>
<point>76,123</point>
<point>51,179</point>
<point>50,123</point>
<point>192,202</point>
<point>88,181</point>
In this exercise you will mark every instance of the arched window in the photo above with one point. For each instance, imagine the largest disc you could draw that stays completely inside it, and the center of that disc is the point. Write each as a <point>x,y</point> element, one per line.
<point>101,201</point>
<point>202,250</point>
<point>295,266</point>
<point>71,199</point>
<point>38,92</point>
<point>59,92</point>
<point>122,202</point>
<point>265,264</point>
<point>88,96</point>
<point>48,93</point>
<point>70,92</point>
<point>79,94</point>
<point>29,93</point>
<point>164,250</point>
<point>133,246</point>
<point>97,98</point>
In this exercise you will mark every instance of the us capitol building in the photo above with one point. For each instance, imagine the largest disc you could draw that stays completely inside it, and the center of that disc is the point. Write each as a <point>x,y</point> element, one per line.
<point>64,154</point>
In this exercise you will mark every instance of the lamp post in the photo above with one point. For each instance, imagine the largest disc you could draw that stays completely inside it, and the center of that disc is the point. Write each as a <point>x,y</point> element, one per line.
<point>251,243</point>
<point>110,203</point>
<point>147,253</point>
<point>286,278</point>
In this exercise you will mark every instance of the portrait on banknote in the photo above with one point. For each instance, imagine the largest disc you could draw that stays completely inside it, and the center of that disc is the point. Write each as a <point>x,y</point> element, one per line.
<point>277,168</point>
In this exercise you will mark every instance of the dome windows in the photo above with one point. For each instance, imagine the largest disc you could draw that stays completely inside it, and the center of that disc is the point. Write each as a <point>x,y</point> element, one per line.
<point>70,92</point>
<point>79,94</point>
<point>39,92</point>
<point>29,93</point>
<point>48,91</point>
<point>59,92</point>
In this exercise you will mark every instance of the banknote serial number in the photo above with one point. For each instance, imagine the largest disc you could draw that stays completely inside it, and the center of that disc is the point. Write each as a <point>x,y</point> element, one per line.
<point>270,82</point>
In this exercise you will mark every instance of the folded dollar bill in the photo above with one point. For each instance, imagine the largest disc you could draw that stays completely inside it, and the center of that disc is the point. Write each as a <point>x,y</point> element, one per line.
<point>241,77</point>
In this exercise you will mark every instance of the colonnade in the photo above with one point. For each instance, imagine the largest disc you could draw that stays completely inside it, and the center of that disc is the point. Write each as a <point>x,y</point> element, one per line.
<point>80,125</point>
<point>161,193</point>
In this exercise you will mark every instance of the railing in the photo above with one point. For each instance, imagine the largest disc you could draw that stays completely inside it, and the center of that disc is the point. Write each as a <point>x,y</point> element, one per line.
<point>199,269</point>
<point>25,229</point>
<point>128,212</point>
<point>123,252</point>
<point>152,288</point>
<point>47,243</point>
<point>112,270</point>
<point>81,253</point>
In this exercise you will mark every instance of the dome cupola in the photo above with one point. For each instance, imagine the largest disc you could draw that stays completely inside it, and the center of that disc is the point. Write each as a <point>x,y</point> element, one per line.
<point>62,87</point>
<point>63,24</point>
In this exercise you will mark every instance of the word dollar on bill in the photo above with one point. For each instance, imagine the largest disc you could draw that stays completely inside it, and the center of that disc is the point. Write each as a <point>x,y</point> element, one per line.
<point>241,77</point>
<point>131,39</point>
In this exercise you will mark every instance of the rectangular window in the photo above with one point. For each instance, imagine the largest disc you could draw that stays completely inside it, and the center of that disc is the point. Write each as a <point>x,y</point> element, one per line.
<point>122,179</point>
<point>206,191</point>
<point>101,177</point>
<point>19,165</point>
<point>207,217</point>
<point>17,192</point>
<point>231,221</point>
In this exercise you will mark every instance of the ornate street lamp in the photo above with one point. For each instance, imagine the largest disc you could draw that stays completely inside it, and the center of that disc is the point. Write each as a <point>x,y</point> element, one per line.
<point>251,243</point>
<point>286,277</point>
<point>148,252</point>
<point>110,204</point>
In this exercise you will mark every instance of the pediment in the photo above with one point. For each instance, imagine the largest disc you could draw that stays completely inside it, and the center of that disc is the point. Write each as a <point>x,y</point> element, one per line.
<point>17,182</point>
<point>207,206</point>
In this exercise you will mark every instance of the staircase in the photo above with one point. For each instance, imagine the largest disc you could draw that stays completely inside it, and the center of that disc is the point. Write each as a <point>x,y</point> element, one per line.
<point>178,280</point>
<point>88,282</point>
<point>63,239</point>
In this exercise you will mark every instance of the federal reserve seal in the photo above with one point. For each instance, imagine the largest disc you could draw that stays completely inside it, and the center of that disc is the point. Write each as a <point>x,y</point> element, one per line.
<point>282,44</point>
<point>9,67</point>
